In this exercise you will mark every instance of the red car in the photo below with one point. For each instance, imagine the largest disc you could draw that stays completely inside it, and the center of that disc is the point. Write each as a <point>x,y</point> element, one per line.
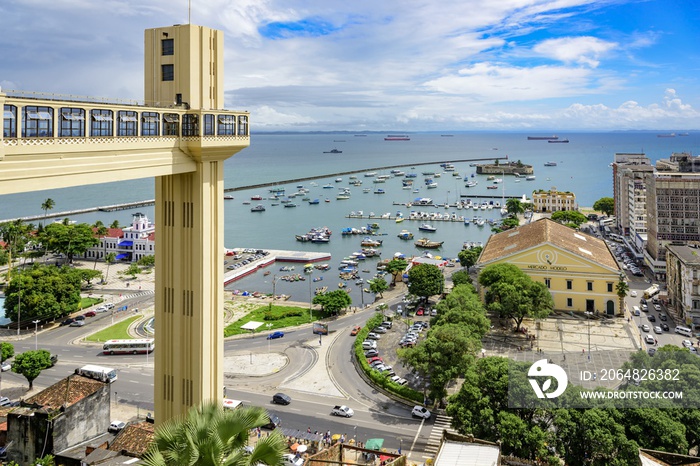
<point>90,314</point>
<point>371,360</point>
<point>420,311</point>
<point>355,330</point>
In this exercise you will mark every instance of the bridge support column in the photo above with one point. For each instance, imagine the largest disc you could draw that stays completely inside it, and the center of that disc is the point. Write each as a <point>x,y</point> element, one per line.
<point>189,289</point>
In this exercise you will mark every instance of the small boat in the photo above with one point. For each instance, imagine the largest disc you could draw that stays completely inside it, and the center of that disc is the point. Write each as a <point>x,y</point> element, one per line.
<point>561,141</point>
<point>339,180</point>
<point>550,164</point>
<point>493,186</point>
<point>257,197</point>
<point>341,197</point>
<point>291,204</point>
<point>228,197</point>
<point>370,174</point>
<point>258,208</point>
<point>426,243</point>
<point>379,191</point>
<point>471,184</point>
<point>369,242</point>
<point>427,227</point>
<point>333,151</point>
<point>431,185</point>
<point>326,200</point>
<point>267,272</point>
<point>328,186</point>
<point>530,178</point>
<point>315,201</point>
<point>399,219</point>
<point>405,235</point>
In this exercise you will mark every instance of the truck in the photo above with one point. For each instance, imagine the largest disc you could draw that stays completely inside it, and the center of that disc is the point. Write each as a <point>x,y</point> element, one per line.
<point>342,411</point>
<point>653,290</point>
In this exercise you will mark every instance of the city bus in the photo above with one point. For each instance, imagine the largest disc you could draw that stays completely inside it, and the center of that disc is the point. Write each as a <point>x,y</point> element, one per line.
<point>105,374</point>
<point>130,346</point>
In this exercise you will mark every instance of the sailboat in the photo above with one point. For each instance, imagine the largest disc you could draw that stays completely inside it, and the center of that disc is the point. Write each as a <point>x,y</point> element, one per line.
<point>504,209</point>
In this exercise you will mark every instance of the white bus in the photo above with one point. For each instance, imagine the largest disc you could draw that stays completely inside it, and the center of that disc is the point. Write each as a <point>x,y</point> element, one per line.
<point>130,346</point>
<point>105,374</point>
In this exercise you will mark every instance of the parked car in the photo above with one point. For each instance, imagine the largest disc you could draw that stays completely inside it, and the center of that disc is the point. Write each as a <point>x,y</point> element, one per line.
<point>289,459</point>
<point>355,330</point>
<point>90,314</point>
<point>373,359</point>
<point>68,321</point>
<point>420,311</point>
<point>371,353</point>
<point>369,344</point>
<point>281,399</point>
<point>80,317</point>
<point>420,411</point>
<point>77,323</point>
<point>379,329</point>
<point>6,366</point>
<point>399,380</point>
<point>273,422</point>
<point>275,335</point>
<point>387,324</point>
<point>5,402</point>
<point>373,336</point>
<point>101,309</point>
<point>116,426</point>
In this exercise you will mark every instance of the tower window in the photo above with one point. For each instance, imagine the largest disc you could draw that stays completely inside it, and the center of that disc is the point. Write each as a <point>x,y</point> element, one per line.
<point>168,72</point>
<point>167,47</point>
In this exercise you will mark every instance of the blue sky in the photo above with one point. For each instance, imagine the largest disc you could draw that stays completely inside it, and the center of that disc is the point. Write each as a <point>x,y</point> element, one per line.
<point>388,65</point>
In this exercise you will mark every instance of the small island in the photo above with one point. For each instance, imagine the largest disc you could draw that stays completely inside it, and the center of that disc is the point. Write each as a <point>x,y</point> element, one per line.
<point>508,168</point>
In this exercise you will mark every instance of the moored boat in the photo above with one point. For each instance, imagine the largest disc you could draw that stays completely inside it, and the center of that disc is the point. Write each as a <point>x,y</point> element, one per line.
<point>427,227</point>
<point>426,243</point>
<point>258,208</point>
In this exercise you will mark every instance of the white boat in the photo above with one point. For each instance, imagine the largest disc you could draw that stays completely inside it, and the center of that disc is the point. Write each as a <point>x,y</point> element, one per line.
<point>431,185</point>
<point>258,208</point>
<point>471,184</point>
<point>371,174</point>
<point>427,227</point>
<point>550,164</point>
<point>530,178</point>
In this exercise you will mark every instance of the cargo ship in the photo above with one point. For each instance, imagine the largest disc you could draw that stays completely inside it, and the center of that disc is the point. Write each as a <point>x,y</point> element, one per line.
<point>397,137</point>
<point>542,138</point>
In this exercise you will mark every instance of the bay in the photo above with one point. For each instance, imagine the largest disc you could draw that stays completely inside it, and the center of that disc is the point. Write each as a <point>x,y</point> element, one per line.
<point>582,167</point>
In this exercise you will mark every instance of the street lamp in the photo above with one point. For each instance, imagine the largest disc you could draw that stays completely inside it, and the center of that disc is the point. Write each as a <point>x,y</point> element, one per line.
<point>588,320</point>
<point>310,273</point>
<point>269,326</point>
<point>36,334</point>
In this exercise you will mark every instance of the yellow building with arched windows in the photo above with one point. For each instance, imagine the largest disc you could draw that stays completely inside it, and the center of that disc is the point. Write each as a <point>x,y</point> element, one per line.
<point>580,270</point>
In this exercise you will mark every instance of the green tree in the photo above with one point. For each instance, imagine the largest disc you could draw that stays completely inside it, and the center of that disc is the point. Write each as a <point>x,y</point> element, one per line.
<point>47,205</point>
<point>147,261</point>
<point>7,350</point>
<point>88,275</point>
<point>71,240</point>
<point>395,267</point>
<point>114,224</point>
<point>571,217</point>
<point>605,205</point>
<point>468,257</point>
<point>100,231</point>
<point>514,295</point>
<point>446,352</point>
<point>16,235</point>
<point>425,280</point>
<point>378,286</point>
<point>31,363</point>
<point>333,302</point>
<point>621,288</point>
<point>461,277</point>
<point>43,292</point>
<point>514,206</point>
<point>210,435</point>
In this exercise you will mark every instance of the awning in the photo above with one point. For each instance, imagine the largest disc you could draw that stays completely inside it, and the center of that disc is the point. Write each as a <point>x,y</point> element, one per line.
<point>252,325</point>
<point>374,443</point>
<point>125,243</point>
<point>122,256</point>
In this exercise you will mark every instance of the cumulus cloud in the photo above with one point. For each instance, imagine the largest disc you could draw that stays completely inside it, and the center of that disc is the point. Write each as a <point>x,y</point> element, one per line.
<point>580,50</point>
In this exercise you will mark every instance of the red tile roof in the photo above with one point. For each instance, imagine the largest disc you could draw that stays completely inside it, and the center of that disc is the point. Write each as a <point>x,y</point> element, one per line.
<point>66,392</point>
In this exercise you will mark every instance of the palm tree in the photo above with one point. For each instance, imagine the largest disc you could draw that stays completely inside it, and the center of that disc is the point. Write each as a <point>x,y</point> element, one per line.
<point>115,224</point>
<point>47,205</point>
<point>621,289</point>
<point>211,435</point>
<point>109,259</point>
<point>514,206</point>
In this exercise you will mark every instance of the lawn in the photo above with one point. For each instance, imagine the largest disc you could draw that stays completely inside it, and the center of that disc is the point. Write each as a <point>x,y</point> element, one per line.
<point>277,316</point>
<point>115,332</point>
<point>87,302</point>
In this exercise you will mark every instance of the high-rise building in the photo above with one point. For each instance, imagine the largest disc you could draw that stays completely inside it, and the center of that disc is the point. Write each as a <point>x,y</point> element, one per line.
<point>624,166</point>
<point>683,284</point>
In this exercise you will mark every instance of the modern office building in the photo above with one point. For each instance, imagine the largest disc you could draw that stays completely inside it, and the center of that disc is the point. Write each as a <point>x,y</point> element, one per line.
<point>578,269</point>
<point>683,284</point>
<point>553,200</point>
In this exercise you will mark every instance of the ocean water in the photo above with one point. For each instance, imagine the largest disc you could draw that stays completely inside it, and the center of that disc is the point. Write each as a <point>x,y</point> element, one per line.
<point>582,167</point>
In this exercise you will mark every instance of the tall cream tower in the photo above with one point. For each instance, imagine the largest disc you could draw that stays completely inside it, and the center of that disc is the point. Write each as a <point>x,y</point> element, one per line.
<point>181,135</point>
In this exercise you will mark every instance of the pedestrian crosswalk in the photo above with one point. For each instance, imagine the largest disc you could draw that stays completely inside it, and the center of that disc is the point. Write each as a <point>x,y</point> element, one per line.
<point>136,294</point>
<point>442,422</point>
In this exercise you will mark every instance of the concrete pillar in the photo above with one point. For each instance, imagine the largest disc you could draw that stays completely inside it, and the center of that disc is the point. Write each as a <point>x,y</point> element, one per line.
<point>189,288</point>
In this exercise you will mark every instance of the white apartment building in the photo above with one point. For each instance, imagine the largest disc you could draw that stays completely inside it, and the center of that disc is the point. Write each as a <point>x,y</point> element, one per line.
<point>683,284</point>
<point>129,244</point>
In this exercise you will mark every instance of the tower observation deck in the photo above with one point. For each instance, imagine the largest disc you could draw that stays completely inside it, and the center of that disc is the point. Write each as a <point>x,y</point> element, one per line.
<point>181,135</point>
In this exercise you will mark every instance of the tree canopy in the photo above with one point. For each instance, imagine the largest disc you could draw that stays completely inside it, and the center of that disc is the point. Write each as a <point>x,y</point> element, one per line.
<point>425,280</point>
<point>569,217</point>
<point>31,363</point>
<point>43,292</point>
<point>7,350</point>
<point>468,257</point>
<point>605,205</point>
<point>333,302</point>
<point>396,267</point>
<point>378,286</point>
<point>71,240</point>
<point>514,295</point>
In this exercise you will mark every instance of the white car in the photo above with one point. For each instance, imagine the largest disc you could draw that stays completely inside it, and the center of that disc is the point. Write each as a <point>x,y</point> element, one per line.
<point>658,330</point>
<point>6,366</point>
<point>687,343</point>
<point>645,328</point>
<point>292,460</point>
<point>373,336</point>
<point>116,426</point>
<point>399,380</point>
<point>420,411</point>
<point>101,309</point>
<point>650,339</point>
<point>633,293</point>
